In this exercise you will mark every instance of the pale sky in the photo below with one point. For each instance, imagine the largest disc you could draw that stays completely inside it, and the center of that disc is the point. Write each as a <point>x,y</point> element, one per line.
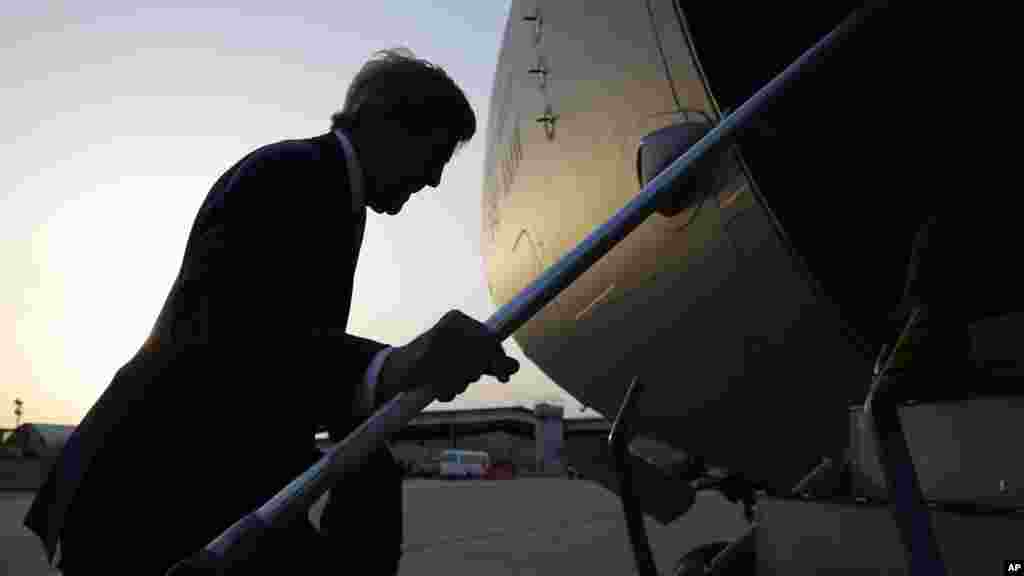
<point>119,116</point>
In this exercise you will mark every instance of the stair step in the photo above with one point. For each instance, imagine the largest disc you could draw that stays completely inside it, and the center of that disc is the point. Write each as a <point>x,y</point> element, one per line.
<point>964,451</point>
<point>796,537</point>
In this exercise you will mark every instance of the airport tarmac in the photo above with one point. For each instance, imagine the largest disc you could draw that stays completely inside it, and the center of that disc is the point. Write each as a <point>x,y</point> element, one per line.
<point>528,526</point>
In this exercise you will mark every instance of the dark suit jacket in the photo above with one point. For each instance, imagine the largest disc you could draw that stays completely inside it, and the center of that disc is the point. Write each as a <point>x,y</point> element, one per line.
<point>249,356</point>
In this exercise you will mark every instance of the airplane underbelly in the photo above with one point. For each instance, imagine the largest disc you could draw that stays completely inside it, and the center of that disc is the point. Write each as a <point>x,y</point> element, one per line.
<point>741,362</point>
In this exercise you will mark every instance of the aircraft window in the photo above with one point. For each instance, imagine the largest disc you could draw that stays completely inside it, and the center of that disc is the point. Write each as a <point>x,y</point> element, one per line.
<point>663,146</point>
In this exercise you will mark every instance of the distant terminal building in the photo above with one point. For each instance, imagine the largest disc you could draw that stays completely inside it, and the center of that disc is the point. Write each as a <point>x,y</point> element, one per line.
<point>537,441</point>
<point>533,441</point>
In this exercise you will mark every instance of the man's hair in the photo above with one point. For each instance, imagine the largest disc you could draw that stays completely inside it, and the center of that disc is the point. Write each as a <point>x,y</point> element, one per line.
<point>418,94</point>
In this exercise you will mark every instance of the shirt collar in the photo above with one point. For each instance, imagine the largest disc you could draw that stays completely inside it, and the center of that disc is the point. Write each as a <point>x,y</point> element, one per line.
<point>355,172</point>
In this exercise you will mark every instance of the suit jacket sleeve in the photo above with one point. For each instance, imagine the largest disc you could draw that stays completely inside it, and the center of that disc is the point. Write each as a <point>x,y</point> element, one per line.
<point>272,261</point>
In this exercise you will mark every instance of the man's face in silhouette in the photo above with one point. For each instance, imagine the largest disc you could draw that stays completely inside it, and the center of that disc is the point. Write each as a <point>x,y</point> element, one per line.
<point>399,163</point>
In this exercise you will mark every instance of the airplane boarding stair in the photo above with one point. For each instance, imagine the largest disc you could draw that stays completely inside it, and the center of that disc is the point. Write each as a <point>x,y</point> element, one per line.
<point>931,476</point>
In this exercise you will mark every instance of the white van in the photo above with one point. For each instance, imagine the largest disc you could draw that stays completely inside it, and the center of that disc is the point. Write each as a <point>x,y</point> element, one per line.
<point>464,464</point>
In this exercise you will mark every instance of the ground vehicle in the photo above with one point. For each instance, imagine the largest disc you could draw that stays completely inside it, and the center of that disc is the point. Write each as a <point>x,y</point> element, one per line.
<point>501,470</point>
<point>464,464</point>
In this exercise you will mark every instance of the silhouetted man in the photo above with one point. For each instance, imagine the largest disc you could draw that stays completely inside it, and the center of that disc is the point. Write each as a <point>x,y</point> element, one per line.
<point>180,445</point>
